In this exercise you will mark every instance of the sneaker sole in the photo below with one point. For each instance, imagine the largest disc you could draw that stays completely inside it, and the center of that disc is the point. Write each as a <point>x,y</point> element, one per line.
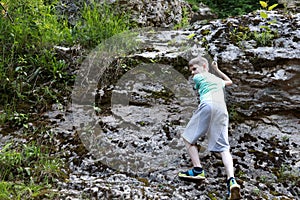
<point>235,193</point>
<point>192,177</point>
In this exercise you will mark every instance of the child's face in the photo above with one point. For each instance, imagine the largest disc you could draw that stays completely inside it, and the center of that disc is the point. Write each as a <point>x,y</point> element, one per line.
<point>195,69</point>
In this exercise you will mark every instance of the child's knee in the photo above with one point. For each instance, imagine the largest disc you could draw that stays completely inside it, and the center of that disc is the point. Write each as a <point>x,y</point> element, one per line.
<point>188,144</point>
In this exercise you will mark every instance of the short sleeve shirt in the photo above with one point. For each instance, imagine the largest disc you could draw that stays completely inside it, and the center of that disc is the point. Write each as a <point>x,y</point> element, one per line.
<point>210,87</point>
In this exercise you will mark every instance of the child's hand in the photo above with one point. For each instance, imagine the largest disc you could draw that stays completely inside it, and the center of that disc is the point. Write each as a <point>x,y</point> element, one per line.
<point>214,65</point>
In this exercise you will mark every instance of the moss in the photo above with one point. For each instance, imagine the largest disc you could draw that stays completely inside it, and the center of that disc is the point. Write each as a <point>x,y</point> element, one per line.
<point>205,32</point>
<point>144,180</point>
<point>212,196</point>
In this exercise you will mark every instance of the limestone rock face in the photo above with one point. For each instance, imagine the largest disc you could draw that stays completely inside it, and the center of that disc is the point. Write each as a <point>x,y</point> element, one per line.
<point>139,149</point>
<point>145,99</point>
<point>156,13</point>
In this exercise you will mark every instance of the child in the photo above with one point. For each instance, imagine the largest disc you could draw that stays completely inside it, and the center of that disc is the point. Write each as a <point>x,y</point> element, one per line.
<point>211,119</point>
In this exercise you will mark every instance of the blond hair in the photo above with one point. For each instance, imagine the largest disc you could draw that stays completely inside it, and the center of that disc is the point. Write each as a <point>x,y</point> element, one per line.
<point>201,61</point>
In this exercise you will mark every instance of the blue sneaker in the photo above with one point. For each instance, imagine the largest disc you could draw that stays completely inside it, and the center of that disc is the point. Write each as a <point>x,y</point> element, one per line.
<point>192,174</point>
<point>233,189</point>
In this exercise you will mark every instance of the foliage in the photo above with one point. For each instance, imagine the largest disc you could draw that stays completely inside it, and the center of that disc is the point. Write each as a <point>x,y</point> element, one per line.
<point>264,15</point>
<point>27,55</point>
<point>28,161</point>
<point>20,191</point>
<point>264,5</point>
<point>185,20</point>
<point>286,174</point>
<point>226,8</point>
<point>239,34</point>
<point>33,74</point>
<point>99,22</point>
<point>234,115</point>
<point>263,37</point>
<point>267,35</point>
<point>27,171</point>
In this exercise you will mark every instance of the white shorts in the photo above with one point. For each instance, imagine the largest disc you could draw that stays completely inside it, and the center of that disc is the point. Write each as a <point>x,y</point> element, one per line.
<point>211,119</point>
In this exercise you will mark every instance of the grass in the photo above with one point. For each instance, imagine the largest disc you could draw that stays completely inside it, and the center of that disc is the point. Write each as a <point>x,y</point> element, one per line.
<point>286,174</point>
<point>28,171</point>
<point>20,191</point>
<point>32,73</point>
<point>33,76</point>
<point>99,22</point>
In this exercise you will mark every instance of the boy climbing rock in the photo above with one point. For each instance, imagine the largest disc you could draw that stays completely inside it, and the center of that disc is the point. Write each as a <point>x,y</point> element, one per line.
<point>211,120</point>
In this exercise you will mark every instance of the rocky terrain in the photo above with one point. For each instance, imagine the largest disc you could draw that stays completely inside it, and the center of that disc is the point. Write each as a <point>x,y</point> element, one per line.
<point>133,97</point>
<point>120,135</point>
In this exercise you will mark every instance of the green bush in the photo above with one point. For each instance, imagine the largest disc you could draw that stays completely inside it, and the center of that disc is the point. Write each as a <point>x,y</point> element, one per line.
<point>32,73</point>
<point>28,59</point>
<point>226,8</point>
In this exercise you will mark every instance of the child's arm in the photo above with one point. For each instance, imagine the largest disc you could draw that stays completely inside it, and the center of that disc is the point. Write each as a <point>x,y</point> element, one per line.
<point>226,79</point>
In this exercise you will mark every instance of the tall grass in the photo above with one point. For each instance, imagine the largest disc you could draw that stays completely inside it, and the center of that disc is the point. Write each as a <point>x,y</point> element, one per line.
<point>32,73</point>
<point>99,22</point>
<point>27,172</point>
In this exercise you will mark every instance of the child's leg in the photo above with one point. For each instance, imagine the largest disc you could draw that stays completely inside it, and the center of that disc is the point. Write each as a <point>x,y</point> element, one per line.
<point>194,154</point>
<point>233,187</point>
<point>228,163</point>
<point>196,172</point>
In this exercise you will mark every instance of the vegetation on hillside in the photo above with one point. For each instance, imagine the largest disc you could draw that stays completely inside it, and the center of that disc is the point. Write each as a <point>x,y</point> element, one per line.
<point>32,72</point>
<point>227,8</point>
<point>34,75</point>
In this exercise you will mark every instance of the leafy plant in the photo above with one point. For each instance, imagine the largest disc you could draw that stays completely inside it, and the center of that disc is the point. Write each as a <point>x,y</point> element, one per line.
<point>23,62</point>
<point>21,191</point>
<point>234,114</point>
<point>184,21</point>
<point>30,163</point>
<point>32,72</point>
<point>19,119</point>
<point>239,34</point>
<point>264,15</point>
<point>256,191</point>
<point>99,22</point>
<point>265,6</point>
<point>227,8</point>
<point>265,37</point>
<point>286,173</point>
